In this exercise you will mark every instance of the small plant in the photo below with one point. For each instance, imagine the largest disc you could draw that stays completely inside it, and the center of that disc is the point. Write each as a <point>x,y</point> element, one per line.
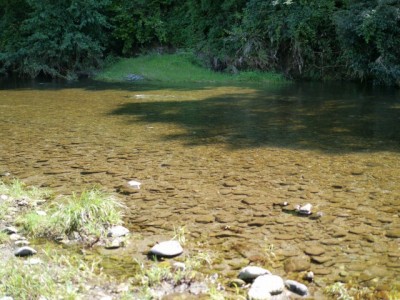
<point>3,237</point>
<point>17,189</point>
<point>339,291</point>
<point>179,234</point>
<point>59,277</point>
<point>269,250</point>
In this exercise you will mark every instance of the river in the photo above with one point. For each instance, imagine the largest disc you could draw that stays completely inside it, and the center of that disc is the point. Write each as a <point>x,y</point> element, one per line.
<point>220,160</point>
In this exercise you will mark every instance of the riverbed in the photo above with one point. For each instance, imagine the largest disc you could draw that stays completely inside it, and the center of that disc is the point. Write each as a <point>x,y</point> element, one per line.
<point>221,161</point>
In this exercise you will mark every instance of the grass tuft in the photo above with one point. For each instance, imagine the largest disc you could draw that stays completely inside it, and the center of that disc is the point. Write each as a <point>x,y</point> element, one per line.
<point>17,189</point>
<point>89,213</point>
<point>58,277</point>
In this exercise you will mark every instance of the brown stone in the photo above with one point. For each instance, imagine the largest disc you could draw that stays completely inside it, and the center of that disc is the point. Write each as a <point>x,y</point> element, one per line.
<point>314,250</point>
<point>394,233</point>
<point>204,219</point>
<point>297,264</point>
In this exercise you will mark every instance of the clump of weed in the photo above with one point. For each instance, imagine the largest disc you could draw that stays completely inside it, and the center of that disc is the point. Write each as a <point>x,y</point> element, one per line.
<point>58,277</point>
<point>16,189</point>
<point>89,214</point>
<point>339,291</point>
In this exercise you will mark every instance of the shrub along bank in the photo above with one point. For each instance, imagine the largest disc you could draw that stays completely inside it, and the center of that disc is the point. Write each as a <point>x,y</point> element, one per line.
<point>312,39</point>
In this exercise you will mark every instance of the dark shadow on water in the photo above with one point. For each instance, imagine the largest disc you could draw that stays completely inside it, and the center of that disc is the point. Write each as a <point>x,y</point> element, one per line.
<point>327,117</point>
<point>330,117</point>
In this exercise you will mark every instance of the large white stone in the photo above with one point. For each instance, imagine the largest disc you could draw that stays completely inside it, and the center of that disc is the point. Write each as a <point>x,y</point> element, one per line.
<point>167,249</point>
<point>250,273</point>
<point>266,285</point>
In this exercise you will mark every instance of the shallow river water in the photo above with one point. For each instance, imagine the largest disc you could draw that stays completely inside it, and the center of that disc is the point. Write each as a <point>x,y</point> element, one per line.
<point>219,160</point>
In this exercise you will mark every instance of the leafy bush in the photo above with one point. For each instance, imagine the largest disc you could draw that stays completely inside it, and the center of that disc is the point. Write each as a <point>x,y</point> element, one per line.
<point>369,32</point>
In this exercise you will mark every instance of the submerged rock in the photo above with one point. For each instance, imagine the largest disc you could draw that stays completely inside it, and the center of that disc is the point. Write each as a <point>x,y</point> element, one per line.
<point>167,249</point>
<point>250,273</point>
<point>135,184</point>
<point>305,209</point>
<point>297,264</point>
<point>25,251</point>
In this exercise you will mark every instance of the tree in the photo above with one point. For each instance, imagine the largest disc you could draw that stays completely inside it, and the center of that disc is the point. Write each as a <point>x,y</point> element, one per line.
<point>58,38</point>
<point>369,33</point>
<point>294,37</point>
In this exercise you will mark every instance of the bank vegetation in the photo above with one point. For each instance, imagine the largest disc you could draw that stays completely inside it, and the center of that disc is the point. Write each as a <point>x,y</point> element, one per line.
<point>302,39</point>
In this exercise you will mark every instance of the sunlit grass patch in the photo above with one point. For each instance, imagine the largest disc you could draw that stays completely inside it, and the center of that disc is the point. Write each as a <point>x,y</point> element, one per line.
<point>57,277</point>
<point>151,277</point>
<point>182,67</point>
<point>17,189</point>
<point>90,214</point>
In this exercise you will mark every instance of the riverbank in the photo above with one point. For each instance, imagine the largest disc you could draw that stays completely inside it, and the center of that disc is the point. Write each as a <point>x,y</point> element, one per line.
<point>64,265</point>
<point>174,68</point>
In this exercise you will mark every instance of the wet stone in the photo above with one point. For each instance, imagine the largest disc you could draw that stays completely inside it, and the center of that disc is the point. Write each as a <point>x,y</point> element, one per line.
<point>225,218</point>
<point>321,259</point>
<point>314,251</point>
<point>205,219</point>
<point>393,233</point>
<point>297,264</point>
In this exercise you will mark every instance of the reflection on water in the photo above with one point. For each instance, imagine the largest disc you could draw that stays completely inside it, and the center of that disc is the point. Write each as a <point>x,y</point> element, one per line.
<point>216,158</point>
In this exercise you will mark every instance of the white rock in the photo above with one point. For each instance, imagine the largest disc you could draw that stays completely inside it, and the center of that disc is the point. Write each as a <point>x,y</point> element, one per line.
<point>3,197</point>
<point>117,231</point>
<point>10,230</point>
<point>167,249</point>
<point>33,261</point>
<point>16,237</point>
<point>250,273</point>
<point>25,251</point>
<point>265,286</point>
<point>21,243</point>
<point>296,287</point>
<point>41,213</point>
<point>135,184</point>
<point>257,292</point>
<point>305,209</point>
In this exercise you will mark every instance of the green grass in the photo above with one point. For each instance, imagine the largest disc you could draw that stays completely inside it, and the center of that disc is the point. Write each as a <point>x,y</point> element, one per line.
<point>89,214</point>
<point>17,189</point>
<point>58,277</point>
<point>177,68</point>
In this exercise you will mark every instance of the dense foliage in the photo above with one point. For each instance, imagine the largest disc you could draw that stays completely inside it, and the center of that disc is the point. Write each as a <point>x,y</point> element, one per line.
<point>313,39</point>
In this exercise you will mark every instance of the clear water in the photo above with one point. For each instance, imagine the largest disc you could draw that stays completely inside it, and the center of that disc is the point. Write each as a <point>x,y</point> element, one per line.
<point>216,158</point>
